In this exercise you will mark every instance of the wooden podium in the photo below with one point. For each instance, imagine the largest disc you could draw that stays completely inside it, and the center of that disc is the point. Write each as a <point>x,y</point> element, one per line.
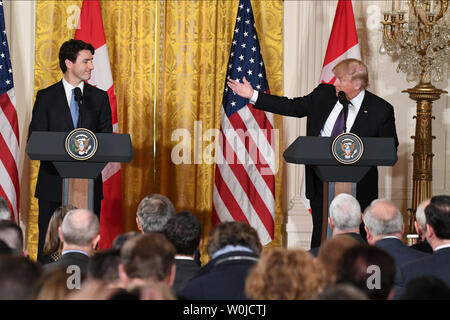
<point>338,177</point>
<point>78,175</point>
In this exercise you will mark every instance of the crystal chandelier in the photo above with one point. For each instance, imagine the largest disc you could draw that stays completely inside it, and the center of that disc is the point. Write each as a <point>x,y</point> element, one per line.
<point>417,33</point>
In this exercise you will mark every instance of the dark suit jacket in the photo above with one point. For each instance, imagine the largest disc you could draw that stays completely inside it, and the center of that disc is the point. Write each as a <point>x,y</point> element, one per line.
<point>423,246</point>
<point>223,278</point>
<point>186,269</point>
<point>356,236</point>
<point>51,113</point>
<point>399,251</point>
<point>71,258</point>
<point>375,119</point>
<point>436,264</point>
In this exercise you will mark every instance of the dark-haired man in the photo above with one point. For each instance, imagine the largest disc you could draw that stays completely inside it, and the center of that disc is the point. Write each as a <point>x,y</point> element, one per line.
<point>437,215</point>
<point>56,109</point>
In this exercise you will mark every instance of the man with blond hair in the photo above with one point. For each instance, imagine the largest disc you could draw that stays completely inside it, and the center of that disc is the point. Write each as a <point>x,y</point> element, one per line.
<point>368,116</point>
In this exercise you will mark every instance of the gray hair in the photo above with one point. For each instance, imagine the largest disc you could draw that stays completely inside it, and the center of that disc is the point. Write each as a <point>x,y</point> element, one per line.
<point>5,214</point>
<point>385,221</point>
<point>154,211</point>
<point>420,214</point>
<point>345,212</point>
<point>80,227</point>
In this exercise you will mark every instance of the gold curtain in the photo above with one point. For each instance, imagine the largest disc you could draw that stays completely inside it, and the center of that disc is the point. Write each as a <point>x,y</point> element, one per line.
<point>168,60</point>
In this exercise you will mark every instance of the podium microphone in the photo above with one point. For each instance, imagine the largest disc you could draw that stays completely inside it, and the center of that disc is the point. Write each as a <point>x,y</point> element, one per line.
<point>343,100</point>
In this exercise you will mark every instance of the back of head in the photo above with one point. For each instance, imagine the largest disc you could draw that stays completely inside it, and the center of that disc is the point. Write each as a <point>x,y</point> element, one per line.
<point>17,275</point>
<point>154,211</point>
<point>103,265</point>
<point>120,240</point>
<point>355,68</point>
<point>426,288</point>
<point>51,285</point>
<point>342,291</point>
<point>285,274</point>
<point>368,268</point>
<point>420,214</point>
<point>52,242</point>
<point>11,234</point>
<point>5,214</point>
<point>79,227</point>
<point>331,252</point>
<point>345,212</point>
<point>382,217</point>
<point>233,233</point>
<point>184,231</point>
<point>438,216</point>
<point>148,257</point>
<point>70,49</point>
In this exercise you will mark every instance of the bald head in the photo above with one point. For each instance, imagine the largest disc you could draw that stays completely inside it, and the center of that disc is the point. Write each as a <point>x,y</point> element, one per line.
<point>79,227</point>
<point>382,217</point>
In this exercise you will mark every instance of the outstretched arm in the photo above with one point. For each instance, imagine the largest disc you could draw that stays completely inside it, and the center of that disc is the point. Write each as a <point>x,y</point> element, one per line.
<point>244,89</point>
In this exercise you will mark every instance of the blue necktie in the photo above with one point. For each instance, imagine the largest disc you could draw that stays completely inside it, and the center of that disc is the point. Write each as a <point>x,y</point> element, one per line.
<point>339,124</point>
<point>74,110</point>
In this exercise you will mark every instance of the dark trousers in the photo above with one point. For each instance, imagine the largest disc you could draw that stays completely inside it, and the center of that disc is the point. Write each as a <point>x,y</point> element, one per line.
<point>46,209</point>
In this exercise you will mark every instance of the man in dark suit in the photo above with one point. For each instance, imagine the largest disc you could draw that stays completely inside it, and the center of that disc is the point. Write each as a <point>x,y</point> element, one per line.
<point>384,226</point>
<point>344,219</point>
<point>184,231</point>
<point>234,247</point>
<point>438,235</point>
<point>56,109</point>
<point>421,227</point>
<point>368,116</point>
<point>79,233</point>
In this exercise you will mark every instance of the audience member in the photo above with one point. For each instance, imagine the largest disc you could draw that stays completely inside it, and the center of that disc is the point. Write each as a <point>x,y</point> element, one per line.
<point>342,291</point>
<point>147,259</point>
<point>438,235</point>
<point>52,245</point>
<point>17,275</point>
<point>184,232</point>
<point>233,247</point>
<point>285,274</point>
<point>384,227</point>
<point>421,227</point>
<point>426,288</point>
<point>52,285</point>
<point>5,214</point>
<point>12,235</point>
<point>153,213</point>
<point>345,218</point>
<point>4,248</point>
<point>104,265</point>
<point>331,252</point>
<point>370,269</point>
<point>79,233</point>
<point>120,240</point>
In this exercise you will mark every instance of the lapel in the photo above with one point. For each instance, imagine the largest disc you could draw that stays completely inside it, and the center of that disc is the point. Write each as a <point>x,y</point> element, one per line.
<point>363,116</point>
<point>85,106</point>
<point>62,101</point>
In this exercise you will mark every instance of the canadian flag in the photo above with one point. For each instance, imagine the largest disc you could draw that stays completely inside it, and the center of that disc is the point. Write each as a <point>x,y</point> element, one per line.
<point>90,29</point>
<point>343,44</point>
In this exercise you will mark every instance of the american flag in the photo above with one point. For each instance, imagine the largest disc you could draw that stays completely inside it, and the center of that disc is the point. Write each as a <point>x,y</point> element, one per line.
<point>244,187</point>
<point>9,128</point>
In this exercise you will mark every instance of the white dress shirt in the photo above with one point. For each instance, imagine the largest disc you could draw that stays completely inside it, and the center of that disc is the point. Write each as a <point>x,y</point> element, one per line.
<point>68,89</point>
<point>353,109</point>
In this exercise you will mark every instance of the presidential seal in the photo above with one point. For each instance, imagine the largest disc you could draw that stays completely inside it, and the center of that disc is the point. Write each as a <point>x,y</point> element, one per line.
<point>81,144</point>
<point>347,148</point>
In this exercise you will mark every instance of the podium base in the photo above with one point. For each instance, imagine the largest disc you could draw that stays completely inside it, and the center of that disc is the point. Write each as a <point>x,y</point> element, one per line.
<point>78,193</point>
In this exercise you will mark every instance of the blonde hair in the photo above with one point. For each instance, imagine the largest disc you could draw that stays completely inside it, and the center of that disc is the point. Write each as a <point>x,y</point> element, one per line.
<point>356,69</point>
<point>285,274</point>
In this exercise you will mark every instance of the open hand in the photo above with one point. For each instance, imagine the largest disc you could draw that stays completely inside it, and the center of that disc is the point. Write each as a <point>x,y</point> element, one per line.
<point>244,89</point>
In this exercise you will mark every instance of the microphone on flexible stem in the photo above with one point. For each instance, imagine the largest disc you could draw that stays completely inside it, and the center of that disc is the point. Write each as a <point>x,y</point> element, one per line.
<point>343,100</point>
<point>79,99</point>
